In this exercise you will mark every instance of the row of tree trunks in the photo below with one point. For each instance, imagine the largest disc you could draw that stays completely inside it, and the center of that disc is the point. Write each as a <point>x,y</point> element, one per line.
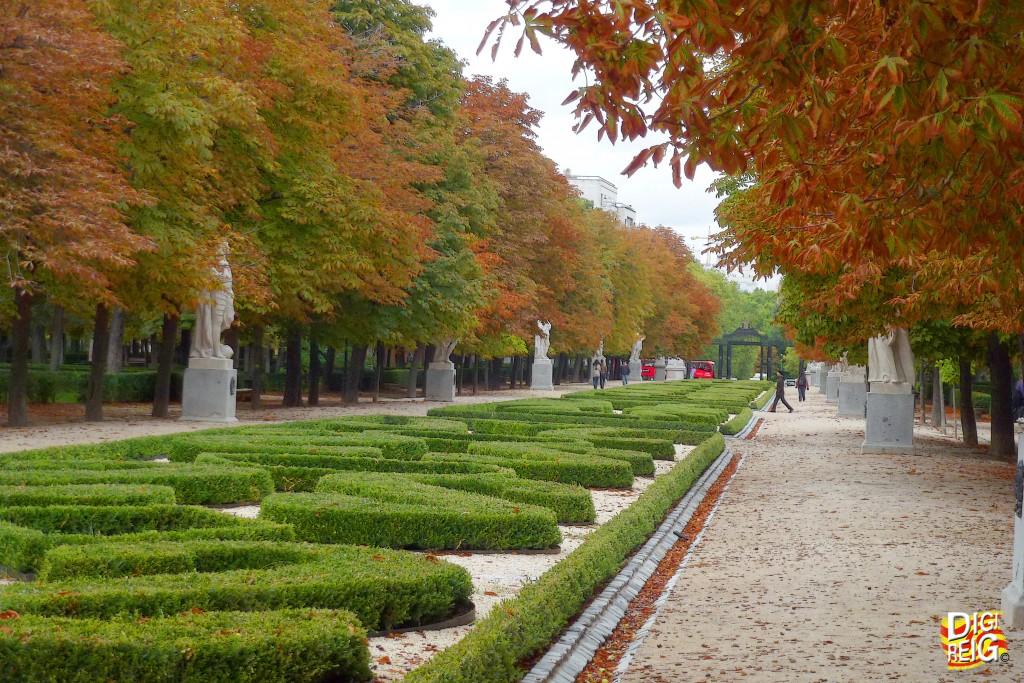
<point>17,406</point>
<point>314,369</point>
<point>98,365</point>
<point>293,369</point>
<point>1001,370</point>
<point>164,365</point>
<point>354,374</point>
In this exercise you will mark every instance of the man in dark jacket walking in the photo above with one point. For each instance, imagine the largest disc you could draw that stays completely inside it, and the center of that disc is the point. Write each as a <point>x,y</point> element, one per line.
<point>780,392</point>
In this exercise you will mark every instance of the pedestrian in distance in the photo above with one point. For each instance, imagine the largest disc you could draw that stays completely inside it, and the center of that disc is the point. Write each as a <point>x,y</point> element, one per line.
<point>801,387</point>
<point>595,371</point>
<point>604,371</point>
<point>625,373</point>
<point>780,392</point>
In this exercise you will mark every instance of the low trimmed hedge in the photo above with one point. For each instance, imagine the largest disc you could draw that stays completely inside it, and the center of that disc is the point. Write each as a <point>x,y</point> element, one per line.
<point>523,626</point>
<point>738,423</point>
<point>192,484</point>
<point>641,463</point>
<point>113,520</point>
<point>113,559</point>
<point>761,401</point>
<point>537,462</point>
<point>24,550</point>
<point>609,437</point>
<point>224,647</point>
<point>389,444</point>
<point>298,478</point>
<point>86,494</point>
<point>384,589</point>
<point>367,510</point>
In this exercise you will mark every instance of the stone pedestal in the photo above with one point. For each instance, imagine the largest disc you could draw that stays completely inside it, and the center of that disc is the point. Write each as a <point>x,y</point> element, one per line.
<point>660,370</point>
<point>832,386</point>
<point>823,377</point>
<point>675,370</point>
<point>852,397</point>
<point>636,371</point>
<point>540,377</point>
<point>1013,594</point>
<point>208,393</point>
<point>440,382</point>
<point>890,421</point>
<point>813,372</point>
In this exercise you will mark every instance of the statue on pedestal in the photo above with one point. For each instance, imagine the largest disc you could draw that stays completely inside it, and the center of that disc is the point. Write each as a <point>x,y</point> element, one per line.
<point>214,315</point>
<point>443,350</point>
<point>542,341</point>
<point>634,353</point>
<point>890,359</point>
<point>600,350</point>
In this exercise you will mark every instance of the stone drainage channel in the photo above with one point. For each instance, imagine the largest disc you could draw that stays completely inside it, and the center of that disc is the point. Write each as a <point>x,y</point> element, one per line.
<point>578,645</point>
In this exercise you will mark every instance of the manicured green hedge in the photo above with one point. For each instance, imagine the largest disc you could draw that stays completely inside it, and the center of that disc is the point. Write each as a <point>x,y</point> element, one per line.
<point>736,424</point>
<point>365,509</point>
<point>546,464</point>
<point>525,625</point>
<point>390,445</point>
<point>86,494</point>
<point>114,559</point>
<point>761,401</point>
<point>24,550</point>
<point>609,437</point>
<point>676,411</point>
<point>297,478</point>
<point>112,520</point>
<point>192,484</point>
<point>384,589</point>
<point>641,463</point>
<point>223,647</point>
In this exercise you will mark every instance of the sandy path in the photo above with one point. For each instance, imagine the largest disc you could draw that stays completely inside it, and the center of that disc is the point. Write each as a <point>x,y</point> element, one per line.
<point>823,564</point>
<point>128,420</point>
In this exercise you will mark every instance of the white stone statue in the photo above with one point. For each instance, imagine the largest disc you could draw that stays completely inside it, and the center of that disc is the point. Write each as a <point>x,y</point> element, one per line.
<point>600,350</point>
<point>634,353</point>
<point>443,350</point>
<point>843,363</point>
<point>214,315</point>
<point>542,341</point>
<point>890,359</point>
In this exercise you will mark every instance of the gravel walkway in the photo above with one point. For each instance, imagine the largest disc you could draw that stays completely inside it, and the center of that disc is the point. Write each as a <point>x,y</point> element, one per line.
<point>823,564</point>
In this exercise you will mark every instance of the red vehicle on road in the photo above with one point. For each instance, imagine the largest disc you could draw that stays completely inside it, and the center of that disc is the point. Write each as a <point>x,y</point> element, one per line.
<point>702,369</point>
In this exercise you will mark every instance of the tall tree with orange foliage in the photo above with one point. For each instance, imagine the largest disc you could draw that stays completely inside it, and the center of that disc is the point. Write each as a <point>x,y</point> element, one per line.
<point>62,195</point>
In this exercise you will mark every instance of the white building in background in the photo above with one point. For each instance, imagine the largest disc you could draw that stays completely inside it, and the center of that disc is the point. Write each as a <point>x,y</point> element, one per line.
<point>603,195</point>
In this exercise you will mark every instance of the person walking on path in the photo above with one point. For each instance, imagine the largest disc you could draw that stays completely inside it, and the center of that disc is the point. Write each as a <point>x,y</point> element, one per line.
<point>595,371</point>
<point>780,393</point>
<point>801,387</point>
<point>625,374</point>
<point>604,371</point>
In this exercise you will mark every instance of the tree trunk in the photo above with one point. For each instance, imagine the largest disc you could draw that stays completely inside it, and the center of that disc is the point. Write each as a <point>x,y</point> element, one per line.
<point>115,350</point>
<point>378,371</point>
<point>494,374</point>
<point>314,369</point>
<point>354,375</point>
<point>98,365</point>
<point>256,373</point>
<point>460,377</point>
<point>967,419</point>
<point>293,369</point>
<point>329,367</point>
<point>414,370</point>
<point>578,375</point>
<point>1002,412</point>
<point>164,364</point>
<point>938,399</point>
<point>37,344</point>
<point>57,338</point>
<point>474,363</point>
<point>920,392</point>
<point>17,396</point>
<point>231,340</point>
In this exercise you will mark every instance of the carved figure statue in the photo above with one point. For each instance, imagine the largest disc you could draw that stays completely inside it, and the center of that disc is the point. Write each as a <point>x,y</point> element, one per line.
<point>843,363</point>
<point>600,350</point>
<point>890,358</point>
<point>634,353</point>
<point>443,350</point>
<point>542,341</point>
<point>214,315</point>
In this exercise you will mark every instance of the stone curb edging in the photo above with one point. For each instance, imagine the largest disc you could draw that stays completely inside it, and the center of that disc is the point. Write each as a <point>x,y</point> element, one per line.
<point>742,434</point>
<point>643,631</point>
<point>564,661</point>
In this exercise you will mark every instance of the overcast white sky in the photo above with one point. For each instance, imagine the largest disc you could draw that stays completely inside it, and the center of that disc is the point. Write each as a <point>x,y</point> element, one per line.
<point>689,210</point>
